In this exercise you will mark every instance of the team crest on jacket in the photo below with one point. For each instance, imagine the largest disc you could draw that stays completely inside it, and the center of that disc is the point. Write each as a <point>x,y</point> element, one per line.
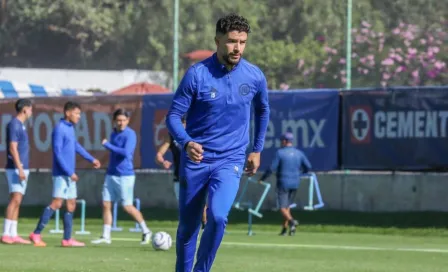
<point>244,89</point>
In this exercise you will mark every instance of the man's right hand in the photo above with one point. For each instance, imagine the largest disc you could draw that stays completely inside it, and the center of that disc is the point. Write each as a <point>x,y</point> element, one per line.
<point>74,177</point>
<point>22,175</point>
<point>166,164</point>
<point>195,151</point>
<point>96,164</point>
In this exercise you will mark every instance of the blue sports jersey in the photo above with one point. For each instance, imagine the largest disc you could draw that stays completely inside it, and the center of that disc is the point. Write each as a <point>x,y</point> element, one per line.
<point>218,106</point>
<point>65,147</point>
<point>16,132</point>
<point>288,164</point>
<point>122,146</point>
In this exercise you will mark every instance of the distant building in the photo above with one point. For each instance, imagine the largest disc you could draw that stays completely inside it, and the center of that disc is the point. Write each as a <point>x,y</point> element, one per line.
<point>83,80</point>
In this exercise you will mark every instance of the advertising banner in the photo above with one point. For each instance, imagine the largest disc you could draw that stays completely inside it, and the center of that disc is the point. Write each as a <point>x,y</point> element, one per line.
<point>95,125</point>
<point>395,130</point>
<point>313,117</point>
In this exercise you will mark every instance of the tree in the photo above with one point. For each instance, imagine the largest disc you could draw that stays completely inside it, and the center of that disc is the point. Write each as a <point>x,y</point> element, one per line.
<point>299,44</point>
<point>57,31</point>
<point>406,56</point>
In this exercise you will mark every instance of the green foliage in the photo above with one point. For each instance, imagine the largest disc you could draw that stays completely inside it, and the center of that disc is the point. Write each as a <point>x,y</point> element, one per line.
<point>287,41</point>
<point>279,60</point>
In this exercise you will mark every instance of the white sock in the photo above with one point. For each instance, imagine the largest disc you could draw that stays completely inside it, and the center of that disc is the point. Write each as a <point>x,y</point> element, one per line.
<point>13,229</point>
<point>144,227</point>
<point>7,227</point>
<point>106,231</point>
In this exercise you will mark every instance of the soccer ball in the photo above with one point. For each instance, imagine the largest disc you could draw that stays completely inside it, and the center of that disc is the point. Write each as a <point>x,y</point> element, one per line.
<point>161,241</point>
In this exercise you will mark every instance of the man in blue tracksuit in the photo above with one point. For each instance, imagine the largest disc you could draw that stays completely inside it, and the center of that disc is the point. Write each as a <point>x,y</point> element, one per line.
<point>288,164</point>
<point>65,146</point>
<point>217,95</point>
<point>120,177</point>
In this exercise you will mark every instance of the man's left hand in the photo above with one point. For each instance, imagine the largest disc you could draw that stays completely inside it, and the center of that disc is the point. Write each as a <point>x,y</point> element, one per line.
<point>253,162</point>
<point>96,164</point>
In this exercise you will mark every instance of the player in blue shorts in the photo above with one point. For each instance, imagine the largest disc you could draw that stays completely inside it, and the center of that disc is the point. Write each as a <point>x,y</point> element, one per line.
<point>120,177</point>
<point>17,169</point>
<point>65,146</point>
<point>217,95</point>
<point>288,164</point>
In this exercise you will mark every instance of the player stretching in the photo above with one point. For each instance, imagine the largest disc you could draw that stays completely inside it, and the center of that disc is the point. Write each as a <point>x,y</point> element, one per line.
<point>287,164</point>
<point>17,169</point>
<point>217,93</point>
<point>120,177</point>
<point>65,146</point>
<point>176,150</point>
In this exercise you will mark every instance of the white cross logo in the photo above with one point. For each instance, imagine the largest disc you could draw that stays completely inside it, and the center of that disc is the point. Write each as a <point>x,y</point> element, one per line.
<point>360,124</point>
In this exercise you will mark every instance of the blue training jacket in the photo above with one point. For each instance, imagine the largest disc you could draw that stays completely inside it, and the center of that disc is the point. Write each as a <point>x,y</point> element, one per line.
<point>288,164</point>
<point>122,146</point>
<point>218,107</point>
<point>65,147</point>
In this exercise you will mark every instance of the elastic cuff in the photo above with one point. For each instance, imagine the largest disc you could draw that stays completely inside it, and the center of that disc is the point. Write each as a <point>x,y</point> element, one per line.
<point>184,144</point>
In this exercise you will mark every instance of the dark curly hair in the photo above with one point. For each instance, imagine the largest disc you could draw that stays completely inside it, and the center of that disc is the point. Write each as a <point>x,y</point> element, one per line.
<point>71,105</point>
<point>232,22</point>
<point>119,112</point>
<point>22,103</point>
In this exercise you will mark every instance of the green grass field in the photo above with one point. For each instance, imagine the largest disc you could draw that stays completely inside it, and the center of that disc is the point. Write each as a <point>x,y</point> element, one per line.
<point>359,242</point>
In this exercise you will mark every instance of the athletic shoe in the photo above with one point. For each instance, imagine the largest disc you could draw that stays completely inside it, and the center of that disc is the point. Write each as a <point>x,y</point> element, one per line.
<point>102,240</point>
<point>146,238</point>
<point>292,227</point>
<point>20,240</point>
<point>283,232</point>
<point>7,240</point>
<point>36,239</point>
<point>72,243</point>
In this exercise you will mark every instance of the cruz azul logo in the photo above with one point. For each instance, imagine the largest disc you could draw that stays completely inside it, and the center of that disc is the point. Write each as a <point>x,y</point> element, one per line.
<point>360,124</point>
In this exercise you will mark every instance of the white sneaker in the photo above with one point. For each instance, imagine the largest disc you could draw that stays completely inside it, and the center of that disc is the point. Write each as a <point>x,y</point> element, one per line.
<point>102,240</point>
<point>146,238</point>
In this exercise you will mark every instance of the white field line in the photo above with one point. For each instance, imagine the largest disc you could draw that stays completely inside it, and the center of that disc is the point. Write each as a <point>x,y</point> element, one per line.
<point>291,246</point>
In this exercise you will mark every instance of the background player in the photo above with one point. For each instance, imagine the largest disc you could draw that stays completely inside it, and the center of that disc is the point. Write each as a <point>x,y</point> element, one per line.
<point>17,169</point>
<point>176,150</point>
<point>288,164</point>
<point>120,177</point>
<point>217,93</point>
<point>65,146</point>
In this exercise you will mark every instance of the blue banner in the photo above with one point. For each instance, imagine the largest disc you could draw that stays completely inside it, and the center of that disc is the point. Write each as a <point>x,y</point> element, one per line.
<point>153,129</point>
<point>400,129</point>
<point>312,116</point>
